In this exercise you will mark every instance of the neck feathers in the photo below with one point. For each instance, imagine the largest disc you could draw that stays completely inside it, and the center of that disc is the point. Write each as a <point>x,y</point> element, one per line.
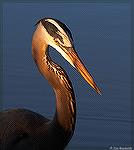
<point>65,115</point>
<point>65,100</point>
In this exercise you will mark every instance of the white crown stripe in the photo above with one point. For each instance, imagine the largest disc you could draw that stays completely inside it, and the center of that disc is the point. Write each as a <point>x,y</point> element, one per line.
<point>57,25</point>
<point>62,33</point>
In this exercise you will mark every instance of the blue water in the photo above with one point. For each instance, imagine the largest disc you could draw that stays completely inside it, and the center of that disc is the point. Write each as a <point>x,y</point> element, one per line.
<point>102,38</point>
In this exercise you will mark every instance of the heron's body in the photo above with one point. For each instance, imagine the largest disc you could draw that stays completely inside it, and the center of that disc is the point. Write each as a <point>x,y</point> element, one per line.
<point>22,129</point>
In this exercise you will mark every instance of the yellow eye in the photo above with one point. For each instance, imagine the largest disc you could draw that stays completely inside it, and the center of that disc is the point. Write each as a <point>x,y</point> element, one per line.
<point>56,41</point>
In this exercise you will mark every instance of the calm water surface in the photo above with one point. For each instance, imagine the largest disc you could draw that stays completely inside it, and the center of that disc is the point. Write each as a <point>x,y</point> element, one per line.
<point>101,33</point>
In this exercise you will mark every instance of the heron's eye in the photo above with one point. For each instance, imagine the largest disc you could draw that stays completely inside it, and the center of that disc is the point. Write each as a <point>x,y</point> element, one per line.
<point>58,41</point>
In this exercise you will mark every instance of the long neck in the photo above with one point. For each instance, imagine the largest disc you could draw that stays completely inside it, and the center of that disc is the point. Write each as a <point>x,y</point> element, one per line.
<point>65,114</point>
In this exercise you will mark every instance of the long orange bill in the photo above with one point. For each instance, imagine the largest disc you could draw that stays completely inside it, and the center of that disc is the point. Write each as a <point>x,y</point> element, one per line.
<point>83,71</point>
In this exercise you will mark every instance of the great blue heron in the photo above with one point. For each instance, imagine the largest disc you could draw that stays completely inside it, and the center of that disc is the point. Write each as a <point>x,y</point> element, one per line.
<point>22,129</point>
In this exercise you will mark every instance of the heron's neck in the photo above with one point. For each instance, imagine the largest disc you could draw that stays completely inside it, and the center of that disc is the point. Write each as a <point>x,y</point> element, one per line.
<point>65,115</point>
<point>65,100</point>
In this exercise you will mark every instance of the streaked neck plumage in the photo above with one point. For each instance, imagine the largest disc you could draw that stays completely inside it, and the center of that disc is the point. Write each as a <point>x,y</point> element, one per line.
<point>65,115</point>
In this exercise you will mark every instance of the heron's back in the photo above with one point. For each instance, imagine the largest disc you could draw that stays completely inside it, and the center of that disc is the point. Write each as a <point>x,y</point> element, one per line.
<point>20,127</point>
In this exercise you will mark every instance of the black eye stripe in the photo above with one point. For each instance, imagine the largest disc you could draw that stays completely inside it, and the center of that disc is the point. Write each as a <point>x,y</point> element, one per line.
<point>49,27</point>
<point>52,30</point>
<point>62,25</point>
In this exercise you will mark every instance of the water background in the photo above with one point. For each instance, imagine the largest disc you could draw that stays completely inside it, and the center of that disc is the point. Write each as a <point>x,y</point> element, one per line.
<point>102,38</point>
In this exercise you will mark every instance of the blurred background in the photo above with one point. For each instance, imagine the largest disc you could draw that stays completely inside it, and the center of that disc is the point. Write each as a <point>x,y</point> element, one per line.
<point>102,38</point>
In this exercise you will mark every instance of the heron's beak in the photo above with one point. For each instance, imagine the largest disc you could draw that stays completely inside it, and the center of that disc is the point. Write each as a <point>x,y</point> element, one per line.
<point>82,69</point>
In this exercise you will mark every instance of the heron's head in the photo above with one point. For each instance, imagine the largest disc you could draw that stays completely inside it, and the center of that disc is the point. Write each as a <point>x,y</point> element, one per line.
<point>59,37</point>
